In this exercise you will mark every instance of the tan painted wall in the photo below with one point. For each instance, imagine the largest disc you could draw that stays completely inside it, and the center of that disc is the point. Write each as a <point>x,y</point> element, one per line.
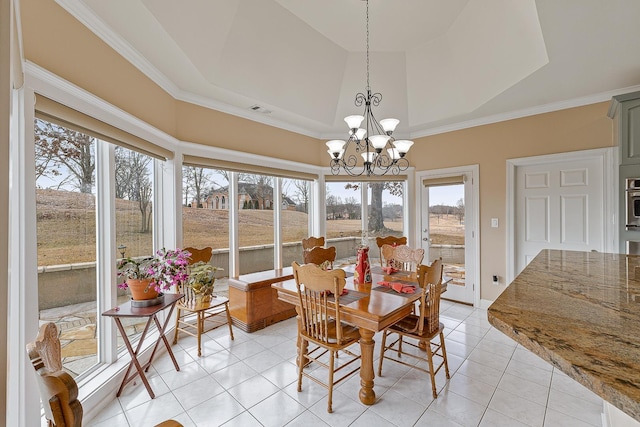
<point>490,146</point>
<point>204,126</point>
<point>56,41</point>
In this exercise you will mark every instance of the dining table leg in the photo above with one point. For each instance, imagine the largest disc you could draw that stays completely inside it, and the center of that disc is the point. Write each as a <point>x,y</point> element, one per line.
<point>367,395</point>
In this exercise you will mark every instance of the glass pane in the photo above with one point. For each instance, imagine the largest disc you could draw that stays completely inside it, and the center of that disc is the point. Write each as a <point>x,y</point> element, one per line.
<point>255,222</point>
<point>205,215</point>
<point>66,235</point>
<point>343,221</point>
<point>134,213</point>
<point>386,209</point>
<point>296,194</point>
<point>446,229</point>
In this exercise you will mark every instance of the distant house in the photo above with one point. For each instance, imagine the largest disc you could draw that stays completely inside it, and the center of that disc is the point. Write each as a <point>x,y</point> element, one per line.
<point>250,196</point>
<point>288,204</point>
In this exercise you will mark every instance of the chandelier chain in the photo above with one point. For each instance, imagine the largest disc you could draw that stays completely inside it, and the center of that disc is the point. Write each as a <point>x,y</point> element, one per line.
<point>368,86</point>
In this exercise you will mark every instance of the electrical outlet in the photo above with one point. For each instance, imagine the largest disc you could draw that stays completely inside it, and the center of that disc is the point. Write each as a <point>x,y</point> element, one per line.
<point>495,278</point>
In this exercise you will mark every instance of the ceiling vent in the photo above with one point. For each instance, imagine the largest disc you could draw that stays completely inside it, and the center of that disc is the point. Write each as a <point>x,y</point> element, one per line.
<point>260,109</point>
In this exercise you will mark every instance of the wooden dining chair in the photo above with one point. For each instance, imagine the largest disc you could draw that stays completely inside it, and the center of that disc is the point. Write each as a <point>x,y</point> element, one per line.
<point>195,317</point>
<point>199,255</point>
<point>58,389</point>
<point>319,326</point>
<point>423,327</point>
<point>320,255</point>
<point>311,242</point>
<point>403,257</point>
<point>391,241</point>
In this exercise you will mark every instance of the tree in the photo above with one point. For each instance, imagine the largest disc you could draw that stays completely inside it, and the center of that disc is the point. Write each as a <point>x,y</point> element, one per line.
<point>333,206</point>
<point>459,210</point>
<point>376,219</point>
<point>197,179</point>
<point>59,147</point>
<point>133,182</point>
<point>302,194</point>
<point>352,207</point>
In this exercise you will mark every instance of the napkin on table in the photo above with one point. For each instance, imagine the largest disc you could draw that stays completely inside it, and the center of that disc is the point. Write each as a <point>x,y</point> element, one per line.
<point>399,287</point>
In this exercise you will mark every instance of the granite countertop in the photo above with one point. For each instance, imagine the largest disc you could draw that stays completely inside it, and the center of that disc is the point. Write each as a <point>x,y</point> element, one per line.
<point>580,311</point>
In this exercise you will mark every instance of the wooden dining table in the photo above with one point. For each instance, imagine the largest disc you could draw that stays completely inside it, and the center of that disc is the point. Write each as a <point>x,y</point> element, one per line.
<point>373,312</point>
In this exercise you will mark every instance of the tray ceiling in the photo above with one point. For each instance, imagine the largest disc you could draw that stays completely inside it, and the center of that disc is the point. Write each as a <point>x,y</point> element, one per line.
<point>438,64</point>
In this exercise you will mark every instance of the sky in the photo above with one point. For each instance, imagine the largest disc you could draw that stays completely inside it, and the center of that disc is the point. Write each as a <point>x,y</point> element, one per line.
<point>446,195</point>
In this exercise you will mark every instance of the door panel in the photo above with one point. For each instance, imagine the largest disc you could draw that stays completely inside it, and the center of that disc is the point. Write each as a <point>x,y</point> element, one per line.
<point>537,219</point>
<point>574,221</point>
<point>559,205</point>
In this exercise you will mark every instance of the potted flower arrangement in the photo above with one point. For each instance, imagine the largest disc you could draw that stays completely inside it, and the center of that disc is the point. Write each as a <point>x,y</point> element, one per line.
<point>201,280</point>
<point>147,277</point>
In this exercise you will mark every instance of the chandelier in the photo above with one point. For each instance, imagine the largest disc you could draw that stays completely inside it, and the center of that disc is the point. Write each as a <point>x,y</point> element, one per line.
<point>381,153</point>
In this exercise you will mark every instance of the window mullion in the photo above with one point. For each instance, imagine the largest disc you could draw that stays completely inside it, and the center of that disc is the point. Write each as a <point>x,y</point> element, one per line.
<point>277,223</point>
<point>105,250</point>
<point>364,196</point>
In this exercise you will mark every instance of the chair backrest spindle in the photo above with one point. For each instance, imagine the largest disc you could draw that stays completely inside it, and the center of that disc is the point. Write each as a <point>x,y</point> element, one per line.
<point>403,257</point>
<point>319,295</point>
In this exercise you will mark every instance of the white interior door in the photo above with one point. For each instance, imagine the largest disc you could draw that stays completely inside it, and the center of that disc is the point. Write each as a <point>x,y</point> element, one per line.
<point>558,205</point>
<point>447,229</point>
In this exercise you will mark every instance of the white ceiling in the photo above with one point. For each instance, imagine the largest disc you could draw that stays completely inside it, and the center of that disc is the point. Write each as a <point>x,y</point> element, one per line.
<point>440,65</point>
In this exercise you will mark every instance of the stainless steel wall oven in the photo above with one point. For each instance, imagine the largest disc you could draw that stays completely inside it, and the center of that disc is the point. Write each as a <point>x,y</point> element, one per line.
<point>633,204</point>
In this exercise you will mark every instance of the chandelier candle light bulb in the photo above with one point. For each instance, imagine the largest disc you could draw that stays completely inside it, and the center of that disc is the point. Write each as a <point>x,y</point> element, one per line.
<point>372,148</point>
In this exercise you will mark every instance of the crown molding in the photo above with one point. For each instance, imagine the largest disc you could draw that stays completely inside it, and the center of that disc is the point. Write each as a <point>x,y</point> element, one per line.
<point>89,19</point>
<point>526,112</point>
<point>264,119</point>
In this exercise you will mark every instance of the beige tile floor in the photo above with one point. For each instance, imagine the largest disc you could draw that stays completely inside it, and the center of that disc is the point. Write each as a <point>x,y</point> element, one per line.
<point>251,381</point>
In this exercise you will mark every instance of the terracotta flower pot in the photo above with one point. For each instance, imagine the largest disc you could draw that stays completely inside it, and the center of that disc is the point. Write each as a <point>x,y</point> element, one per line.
<point>138,287</point>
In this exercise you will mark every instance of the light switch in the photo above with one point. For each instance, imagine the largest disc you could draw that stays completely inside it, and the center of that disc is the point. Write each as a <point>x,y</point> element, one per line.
<point>494,222</point>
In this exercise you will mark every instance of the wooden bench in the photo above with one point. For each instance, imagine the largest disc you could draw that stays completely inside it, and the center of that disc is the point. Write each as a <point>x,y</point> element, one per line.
<point>254,305</point>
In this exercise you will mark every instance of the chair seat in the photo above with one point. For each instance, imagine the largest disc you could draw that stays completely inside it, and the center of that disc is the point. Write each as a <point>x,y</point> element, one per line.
<point>408,324</point>
<point>350,334</point>
<point>193,305</point>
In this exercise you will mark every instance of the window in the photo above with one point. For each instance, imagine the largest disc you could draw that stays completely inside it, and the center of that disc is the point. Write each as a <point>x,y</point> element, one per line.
<point>386,209</point>
<point>255,222</point>
<point>134,213</point>
<point>296,197</point>
<point>66,235</point>
<point>383,213</point>
<point>344,210</point>
<point>205,216</point>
